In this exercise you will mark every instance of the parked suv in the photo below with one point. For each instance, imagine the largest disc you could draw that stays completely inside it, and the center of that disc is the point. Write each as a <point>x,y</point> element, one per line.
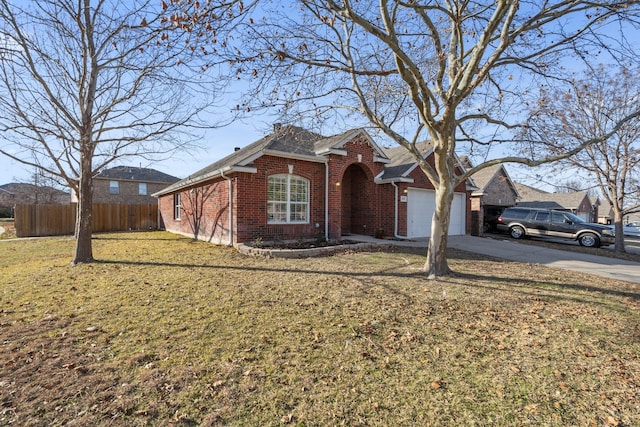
<point>522,222</point>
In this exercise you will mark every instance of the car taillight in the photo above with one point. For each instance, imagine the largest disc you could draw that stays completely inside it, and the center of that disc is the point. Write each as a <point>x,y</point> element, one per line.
<point>500,219</point>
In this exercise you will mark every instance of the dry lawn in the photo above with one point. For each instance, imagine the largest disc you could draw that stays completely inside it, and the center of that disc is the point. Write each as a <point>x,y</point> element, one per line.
<point>166,331</point>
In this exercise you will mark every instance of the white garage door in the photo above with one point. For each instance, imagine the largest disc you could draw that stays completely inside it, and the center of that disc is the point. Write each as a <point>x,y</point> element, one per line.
<point>420,207</point>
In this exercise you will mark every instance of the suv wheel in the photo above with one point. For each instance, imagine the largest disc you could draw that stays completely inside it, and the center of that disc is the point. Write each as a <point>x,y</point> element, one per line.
<point>517,232</point>
<point>589,240</point>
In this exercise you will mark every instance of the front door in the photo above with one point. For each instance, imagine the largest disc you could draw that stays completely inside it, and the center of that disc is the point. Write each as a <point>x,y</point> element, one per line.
<point>358,202</point>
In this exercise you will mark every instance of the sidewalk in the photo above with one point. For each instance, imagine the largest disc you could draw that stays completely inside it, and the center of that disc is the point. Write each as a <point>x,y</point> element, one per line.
<point>521,252</point>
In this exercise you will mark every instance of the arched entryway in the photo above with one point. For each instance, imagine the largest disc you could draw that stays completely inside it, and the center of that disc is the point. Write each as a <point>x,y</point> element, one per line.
<point>358,201</point>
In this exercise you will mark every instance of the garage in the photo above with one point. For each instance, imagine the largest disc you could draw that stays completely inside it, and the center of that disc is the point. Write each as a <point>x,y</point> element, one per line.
<point>420,207</point>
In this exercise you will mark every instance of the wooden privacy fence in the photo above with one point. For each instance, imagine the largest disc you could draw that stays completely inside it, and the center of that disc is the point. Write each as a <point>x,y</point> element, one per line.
<point>60,220</point>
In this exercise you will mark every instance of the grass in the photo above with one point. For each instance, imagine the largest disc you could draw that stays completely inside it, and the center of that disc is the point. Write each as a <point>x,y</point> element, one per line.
<point>167,331</point>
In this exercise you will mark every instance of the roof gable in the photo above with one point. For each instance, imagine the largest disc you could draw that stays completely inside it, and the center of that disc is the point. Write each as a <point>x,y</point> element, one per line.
<point>337,142</point>
<point>485,177</point>
<point>402,162</point>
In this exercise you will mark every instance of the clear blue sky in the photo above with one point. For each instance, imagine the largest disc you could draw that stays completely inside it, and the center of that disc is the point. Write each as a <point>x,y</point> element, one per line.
<point>217,143</point>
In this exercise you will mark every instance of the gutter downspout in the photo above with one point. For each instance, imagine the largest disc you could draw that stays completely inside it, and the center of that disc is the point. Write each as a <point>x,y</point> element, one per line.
<point>230,181</point>
<point>395,214</point>
<point>326,200</point>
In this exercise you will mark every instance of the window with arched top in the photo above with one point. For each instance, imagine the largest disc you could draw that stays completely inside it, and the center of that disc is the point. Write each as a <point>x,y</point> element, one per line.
<point>287,199</point>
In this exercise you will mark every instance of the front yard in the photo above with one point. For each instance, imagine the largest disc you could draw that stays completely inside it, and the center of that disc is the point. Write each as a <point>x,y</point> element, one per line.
<point>167,331</point>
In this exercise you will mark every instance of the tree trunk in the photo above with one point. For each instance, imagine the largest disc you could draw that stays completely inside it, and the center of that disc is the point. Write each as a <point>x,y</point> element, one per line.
<point>436,264</point>
<point>617,222</point>
<point>84,218</point>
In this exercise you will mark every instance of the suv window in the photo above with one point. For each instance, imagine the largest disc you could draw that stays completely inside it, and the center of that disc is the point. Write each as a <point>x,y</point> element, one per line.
<point>516,213</point>
<point>542,216</point>
<point>558,217</point>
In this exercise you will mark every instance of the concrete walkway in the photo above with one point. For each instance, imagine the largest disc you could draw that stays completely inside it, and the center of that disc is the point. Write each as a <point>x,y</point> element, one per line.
<point>514,251</point>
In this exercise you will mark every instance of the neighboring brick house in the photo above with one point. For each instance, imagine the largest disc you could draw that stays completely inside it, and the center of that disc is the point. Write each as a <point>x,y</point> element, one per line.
<point>16,193</point>
<point>496,191</point>
<point>577,202</point>
<point>129,185</point>
<point>294,184</point>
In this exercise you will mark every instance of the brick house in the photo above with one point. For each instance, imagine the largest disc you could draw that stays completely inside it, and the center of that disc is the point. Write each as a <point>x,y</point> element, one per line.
<point>577,202</point>
<point>15,193</point>
<point>129,185</point>
<point>294,184</point>
<point>496,191</point>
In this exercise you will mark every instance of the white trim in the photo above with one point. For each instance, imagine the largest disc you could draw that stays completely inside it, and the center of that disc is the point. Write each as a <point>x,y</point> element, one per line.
<point>114,190</point>
<point>207,177</point>
<point>251,158</point>
<point>332,151</point>
<point>231,230</point>
<point>326,201</point>
<point>378,159</point>
<point>177,206</point>
<point>378,180</point>
<point>396,215</point>
<point>294,156</point>
<point>289,203</point>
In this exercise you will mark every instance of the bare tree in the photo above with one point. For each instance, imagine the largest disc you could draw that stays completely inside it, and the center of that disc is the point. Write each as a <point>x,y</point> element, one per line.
<point>589,105</point>
<point>456,73</point>
<point>571,185</point>
<point>86,82</point>
<point>46,189</point>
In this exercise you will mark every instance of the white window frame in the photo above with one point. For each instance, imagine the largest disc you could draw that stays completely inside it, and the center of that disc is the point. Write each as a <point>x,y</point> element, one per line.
<point>114,187</point>
<point>142,188</point>
<point>177,206</point>
<point>289,201</point>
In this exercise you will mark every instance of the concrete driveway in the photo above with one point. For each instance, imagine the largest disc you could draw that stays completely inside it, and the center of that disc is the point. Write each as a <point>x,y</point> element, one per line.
<point>511,250</point>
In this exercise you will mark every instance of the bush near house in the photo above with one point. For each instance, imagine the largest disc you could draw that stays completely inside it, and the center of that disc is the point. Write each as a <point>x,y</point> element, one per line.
<point>169,331</point>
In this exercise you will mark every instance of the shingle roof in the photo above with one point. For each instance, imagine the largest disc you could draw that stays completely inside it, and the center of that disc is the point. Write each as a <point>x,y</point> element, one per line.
<point>533,197</point>
<point>527,191</point>
<point>133,173</point>
<point>541,204</point>
<point>402,161</point>
<point>284,140</point>
<point>483,177</point>
<point>287,141</point>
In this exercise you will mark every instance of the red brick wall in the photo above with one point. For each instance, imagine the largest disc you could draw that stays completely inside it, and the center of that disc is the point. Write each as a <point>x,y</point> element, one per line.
<point>208,204</point>
<point>251,218</point>
<point>585,206</point>
<point>357,198</point>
